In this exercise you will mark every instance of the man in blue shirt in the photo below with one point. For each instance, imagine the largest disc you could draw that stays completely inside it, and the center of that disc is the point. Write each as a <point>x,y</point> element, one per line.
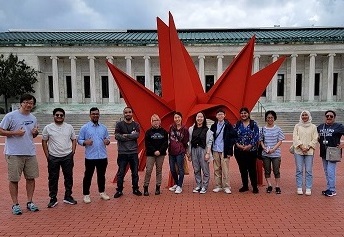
<point>94,136</point>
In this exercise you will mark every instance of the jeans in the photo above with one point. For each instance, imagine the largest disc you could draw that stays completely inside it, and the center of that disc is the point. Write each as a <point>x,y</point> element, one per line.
<point>330,174</point>
<point>304,162</point>
<point>90,165</point>
<point>122,161</point>
<point>178,161</point>
<point>66,163</point>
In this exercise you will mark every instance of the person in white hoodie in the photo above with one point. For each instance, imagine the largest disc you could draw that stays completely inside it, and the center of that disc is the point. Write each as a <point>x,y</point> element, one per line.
<point>305,138</point>
<point>199,152</point>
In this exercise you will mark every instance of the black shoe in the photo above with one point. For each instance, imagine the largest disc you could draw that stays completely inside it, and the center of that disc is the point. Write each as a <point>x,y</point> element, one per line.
<point>53,202</point>
<point>255,190</point>
<point>118,194</point>
<point>324,192</point>
<point>278,190</point>
<point>157,190</point>
<point>269,189</point>
<point>243,189</point>
<point>137,192</point>
<point>69,200</point>
<point>145,191</point>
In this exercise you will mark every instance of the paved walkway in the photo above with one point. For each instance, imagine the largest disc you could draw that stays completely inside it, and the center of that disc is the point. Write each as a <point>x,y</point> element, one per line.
<point>186,214</point>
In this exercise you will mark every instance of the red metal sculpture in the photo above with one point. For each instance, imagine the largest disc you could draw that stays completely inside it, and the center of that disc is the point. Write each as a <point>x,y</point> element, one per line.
<point>182,90</point>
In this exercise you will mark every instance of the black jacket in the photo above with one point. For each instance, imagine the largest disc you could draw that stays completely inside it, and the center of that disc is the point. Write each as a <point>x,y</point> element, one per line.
<point>229,136</point>
<point>156,139</point>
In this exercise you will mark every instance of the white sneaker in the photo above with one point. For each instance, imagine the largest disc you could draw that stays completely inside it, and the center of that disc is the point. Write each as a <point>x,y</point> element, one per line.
<point>203,191</point>
<point>104,196</point>
<point>87,199</point>
<point>299,191</point>
<point>216,190</point>
<point>178,190</point>
<point>308,192</point>
<point>227,190</point>
<point>196,190</point>
<point>173,188</point>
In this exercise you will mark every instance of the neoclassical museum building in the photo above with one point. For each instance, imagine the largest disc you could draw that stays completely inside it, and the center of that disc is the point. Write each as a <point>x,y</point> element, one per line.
<point>74,72</point>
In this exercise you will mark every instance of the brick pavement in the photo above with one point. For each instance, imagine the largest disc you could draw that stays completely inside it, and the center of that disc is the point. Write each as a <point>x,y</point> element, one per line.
<point>187,214</point>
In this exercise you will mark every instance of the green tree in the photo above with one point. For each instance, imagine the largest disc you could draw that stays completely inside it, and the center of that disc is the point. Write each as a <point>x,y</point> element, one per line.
<point>16,78</point>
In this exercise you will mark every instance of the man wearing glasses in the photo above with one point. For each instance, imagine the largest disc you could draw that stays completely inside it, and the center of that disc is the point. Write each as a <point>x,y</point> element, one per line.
<point>94,136</point>
<point>330,133</point>
<point>59,144</point>
<point>20,128</point>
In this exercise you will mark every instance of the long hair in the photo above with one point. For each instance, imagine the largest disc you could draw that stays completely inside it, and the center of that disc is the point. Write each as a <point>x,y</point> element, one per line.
<point>204,124</point>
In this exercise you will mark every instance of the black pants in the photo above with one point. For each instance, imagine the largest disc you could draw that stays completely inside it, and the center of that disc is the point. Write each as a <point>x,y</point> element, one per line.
<point>66,163</point>
<point>90,165</point>
<point>122,161</point>
<point>247,166</point>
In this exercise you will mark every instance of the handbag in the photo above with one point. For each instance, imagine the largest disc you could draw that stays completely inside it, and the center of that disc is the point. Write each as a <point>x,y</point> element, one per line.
<point>260,148</point>
<point>333,154</point>
<point>291,149</point>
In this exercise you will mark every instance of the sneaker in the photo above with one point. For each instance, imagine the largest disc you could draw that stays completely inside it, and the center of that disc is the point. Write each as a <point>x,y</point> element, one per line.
<point>269,189</point>
<point>173,188</point>
<point>308,192</point>
<point>104,196</point>
<point>87,199</point>
<point>69,200</point>
<point>278,190</point>
<point>16,210</point>
<point>196,190</point>
<point>216,190</point>
<point>243,189</point>
<point>324,192</point>
<point>53,202</point>
<point>203,190</point>
<point>178,190</point>
<point>118,194</point>
<point>227,190</point>
<point>330,193</point>
<point>32,207</point>
<point>334,193</point>
<point>137,192</point>
<point>299,191</point>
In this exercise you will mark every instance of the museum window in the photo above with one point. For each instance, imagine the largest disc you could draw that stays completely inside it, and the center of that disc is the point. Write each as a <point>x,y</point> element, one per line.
<point>87,87</point>
<point>105,86</point>
<point>316,84</point>
<point>69,86</point>
<point>141,80</point>
<point>209,82</point>
<point>335,83</point>
<point>280,85</point>
<point>157,85</point>
<point>298,85</point>
<point>51,86</point>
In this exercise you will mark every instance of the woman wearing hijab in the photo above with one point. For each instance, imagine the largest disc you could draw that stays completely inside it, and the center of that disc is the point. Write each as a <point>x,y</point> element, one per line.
<point>305,138</point>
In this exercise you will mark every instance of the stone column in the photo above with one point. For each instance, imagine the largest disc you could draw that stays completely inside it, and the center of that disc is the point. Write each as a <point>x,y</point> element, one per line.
<point>273,82</point>
<point>201,70</point>
<point>55,79</point>
<point>92,79</point>
<point>293,78</point>
<point>219,66</point>
<point>113,89</point>
<point>148,83</point>
<point>128,65</point>
<point>256,63</point>
<point>311,82</point>
<point>73,77</point>
<point>330,77</point>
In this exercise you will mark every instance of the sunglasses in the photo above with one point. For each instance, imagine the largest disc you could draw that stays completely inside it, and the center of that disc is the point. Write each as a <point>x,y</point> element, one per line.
<point>329,116</point>
<point>59,115</point>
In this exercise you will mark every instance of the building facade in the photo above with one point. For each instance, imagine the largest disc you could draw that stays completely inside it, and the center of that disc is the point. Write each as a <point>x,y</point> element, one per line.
<point>73,63</point>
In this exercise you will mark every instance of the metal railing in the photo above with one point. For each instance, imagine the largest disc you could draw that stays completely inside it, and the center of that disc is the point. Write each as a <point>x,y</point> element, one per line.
<point>261,109</point>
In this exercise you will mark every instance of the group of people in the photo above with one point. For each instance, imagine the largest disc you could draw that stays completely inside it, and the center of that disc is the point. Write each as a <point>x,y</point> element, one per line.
<point>198,144</point>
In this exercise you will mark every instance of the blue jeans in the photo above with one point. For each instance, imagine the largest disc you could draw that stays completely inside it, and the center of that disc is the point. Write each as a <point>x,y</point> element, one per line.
<point>179,161</point>
<point>304,162</point>
<point>330,174</point>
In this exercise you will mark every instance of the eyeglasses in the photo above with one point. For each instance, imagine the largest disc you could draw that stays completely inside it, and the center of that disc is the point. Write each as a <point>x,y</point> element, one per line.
<point>59,115</point>
<point>329,116</point>
<point>94,113</point>
<point>28,102</point>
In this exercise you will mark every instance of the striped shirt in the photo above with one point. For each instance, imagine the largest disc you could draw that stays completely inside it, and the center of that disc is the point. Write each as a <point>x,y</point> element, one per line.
<point>271,137</point>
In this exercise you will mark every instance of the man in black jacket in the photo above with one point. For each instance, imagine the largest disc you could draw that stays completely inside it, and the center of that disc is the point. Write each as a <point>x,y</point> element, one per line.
<point>222,149</point>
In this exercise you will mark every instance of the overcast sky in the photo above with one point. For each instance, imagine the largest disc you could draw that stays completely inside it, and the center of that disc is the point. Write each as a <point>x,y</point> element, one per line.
<point>188,14</point>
